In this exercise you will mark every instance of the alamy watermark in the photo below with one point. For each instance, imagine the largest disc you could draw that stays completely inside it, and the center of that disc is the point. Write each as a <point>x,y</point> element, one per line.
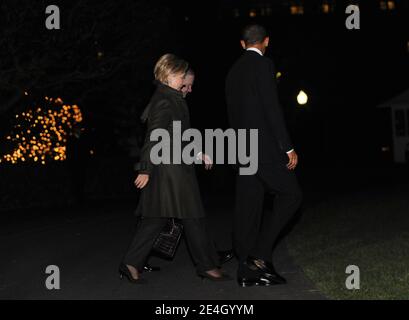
<point>237,148</point>
<point>52,282</point>
<point>353,20</point>
<point>352,282</point>
<point>53,20</point>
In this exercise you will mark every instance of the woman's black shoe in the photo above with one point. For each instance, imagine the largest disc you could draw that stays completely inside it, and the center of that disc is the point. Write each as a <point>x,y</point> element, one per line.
<point>205,275</point>
<point>124,272</point>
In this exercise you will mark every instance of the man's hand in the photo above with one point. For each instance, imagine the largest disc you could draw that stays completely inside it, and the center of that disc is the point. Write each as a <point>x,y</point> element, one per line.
<point>141,180</point>
<point>293,160</point>
<point>207,160</point>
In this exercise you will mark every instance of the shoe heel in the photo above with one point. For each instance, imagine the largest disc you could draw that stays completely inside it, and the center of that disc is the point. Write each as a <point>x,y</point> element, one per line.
<point>124,273</point>
<point>245,284</point>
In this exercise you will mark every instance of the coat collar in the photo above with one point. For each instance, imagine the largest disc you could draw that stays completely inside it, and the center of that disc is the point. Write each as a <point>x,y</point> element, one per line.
<point>165,89</point>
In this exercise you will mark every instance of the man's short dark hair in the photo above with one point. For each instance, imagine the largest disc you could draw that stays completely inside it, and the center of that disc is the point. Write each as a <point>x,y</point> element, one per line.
<point>253,33</point>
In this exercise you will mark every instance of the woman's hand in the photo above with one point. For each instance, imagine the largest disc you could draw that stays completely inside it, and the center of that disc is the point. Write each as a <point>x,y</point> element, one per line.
<point>141,180</point>
<point>207,160</point>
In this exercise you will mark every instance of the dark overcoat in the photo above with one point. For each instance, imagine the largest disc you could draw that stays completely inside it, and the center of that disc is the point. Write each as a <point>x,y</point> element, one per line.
<point>172,190</point>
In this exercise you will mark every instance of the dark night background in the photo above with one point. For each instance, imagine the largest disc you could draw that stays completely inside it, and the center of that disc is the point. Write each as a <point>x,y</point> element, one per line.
<point>346,73</point>
<point>102,60</point>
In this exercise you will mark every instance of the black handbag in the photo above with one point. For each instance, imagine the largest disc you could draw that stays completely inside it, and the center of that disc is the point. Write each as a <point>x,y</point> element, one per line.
<point>168,240</point>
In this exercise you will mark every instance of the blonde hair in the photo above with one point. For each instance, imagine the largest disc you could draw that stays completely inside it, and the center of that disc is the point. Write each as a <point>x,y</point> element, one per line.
<point>169,64</point>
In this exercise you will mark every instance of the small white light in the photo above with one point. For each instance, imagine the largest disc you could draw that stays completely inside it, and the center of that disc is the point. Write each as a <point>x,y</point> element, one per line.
<point>302,98</point>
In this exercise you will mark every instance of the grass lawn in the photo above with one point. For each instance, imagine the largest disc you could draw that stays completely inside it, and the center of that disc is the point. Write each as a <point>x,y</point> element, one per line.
<point>367,227</point>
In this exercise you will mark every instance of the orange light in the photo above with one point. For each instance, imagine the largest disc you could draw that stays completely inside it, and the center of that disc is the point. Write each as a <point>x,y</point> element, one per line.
<point>29,147</point>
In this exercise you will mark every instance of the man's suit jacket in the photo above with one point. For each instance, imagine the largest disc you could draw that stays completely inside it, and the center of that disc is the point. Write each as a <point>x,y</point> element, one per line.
<point>252,103</point>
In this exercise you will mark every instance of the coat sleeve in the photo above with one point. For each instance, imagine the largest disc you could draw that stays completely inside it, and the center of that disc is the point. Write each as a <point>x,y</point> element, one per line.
<point>271,107</point>
<point>159,117</point>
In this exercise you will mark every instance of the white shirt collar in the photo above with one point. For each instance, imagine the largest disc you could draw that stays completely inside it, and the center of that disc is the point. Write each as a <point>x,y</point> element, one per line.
<point>255,50</point>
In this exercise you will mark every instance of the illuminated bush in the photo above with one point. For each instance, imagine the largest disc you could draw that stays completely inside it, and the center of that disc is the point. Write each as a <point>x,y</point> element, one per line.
<point>40,134</point>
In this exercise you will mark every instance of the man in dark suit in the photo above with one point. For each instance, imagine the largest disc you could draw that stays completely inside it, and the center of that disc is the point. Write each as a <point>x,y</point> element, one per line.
<point>252,103</point>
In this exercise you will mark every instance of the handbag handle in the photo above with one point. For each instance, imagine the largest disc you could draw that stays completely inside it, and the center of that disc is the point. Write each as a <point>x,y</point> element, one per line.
<point>173,229</point>
<point>173,225</point>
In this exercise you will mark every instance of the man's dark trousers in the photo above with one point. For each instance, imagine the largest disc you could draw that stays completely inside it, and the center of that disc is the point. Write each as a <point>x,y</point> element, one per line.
<point>255,231</point>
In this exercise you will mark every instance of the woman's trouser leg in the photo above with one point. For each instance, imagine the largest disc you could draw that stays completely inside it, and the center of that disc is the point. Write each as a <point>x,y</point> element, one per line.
<point>201,247</point>
<point>147,231</point>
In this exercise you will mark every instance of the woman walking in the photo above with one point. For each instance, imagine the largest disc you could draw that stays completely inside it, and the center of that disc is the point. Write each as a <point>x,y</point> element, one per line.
<point>169,190</point>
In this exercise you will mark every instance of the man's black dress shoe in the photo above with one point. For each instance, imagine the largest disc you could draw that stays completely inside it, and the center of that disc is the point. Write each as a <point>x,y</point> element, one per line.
<point>149,268</point>
<point>225,256</point>
<point>268,270</point>
<point>249,274</point>
<point>261,280</point>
